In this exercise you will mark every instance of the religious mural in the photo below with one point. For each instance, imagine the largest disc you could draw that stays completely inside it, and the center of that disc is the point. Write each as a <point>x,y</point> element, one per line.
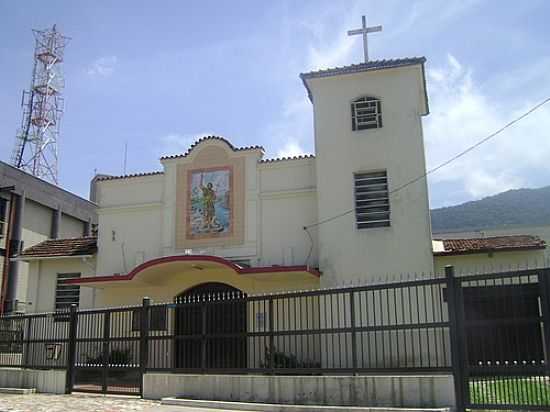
<point>210,212</point>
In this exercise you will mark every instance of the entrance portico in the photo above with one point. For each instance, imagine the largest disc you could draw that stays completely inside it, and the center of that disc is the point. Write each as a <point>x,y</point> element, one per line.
<point>163,279</point>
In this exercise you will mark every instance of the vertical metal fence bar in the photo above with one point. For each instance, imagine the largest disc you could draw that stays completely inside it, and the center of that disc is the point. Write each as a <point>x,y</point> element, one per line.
<point>203,334</point>
<point>455,330</point>
<point>353,332</point>
<point>544,285</point>
<point>71,355</point>
<point>27,343</point>
<point>144,339</point>
<point>106,347</point>
<point>271,352</point>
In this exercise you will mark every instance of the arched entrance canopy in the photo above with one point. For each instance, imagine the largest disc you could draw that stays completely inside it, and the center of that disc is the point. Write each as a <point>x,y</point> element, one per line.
<point>156,270</point>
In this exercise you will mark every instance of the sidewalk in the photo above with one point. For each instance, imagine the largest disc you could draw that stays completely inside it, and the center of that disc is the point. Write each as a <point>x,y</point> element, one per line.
<point>86,403</point>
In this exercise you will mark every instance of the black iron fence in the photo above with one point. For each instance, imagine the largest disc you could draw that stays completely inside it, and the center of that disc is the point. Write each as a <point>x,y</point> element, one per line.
<point>487,330</point>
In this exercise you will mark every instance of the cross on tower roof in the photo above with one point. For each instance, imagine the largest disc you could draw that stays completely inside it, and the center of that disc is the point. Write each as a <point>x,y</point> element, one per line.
<point>364,31</point>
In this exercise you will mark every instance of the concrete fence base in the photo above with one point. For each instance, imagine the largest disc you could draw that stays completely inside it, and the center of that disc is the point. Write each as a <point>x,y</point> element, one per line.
<point>45,381</point>
<point>419,391</point>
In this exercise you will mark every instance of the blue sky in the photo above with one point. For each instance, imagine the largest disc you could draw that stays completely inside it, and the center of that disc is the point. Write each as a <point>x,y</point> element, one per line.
<point>157,75</point>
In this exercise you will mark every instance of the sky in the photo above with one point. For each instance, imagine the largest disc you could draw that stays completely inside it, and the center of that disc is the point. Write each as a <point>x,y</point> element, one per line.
<point>159,75</point>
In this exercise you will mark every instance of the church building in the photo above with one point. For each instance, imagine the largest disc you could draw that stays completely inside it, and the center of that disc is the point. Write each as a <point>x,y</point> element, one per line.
<point>221,218</point>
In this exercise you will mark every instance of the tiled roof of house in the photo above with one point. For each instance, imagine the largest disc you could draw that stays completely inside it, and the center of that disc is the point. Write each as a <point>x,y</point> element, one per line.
<point>371,65</point>
<point>235,149</point>
<point>81,246</point>
<point>489,244</point>
<point>107,177</point>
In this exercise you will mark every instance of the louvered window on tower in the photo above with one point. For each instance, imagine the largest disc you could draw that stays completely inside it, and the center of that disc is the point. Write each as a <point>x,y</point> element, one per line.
<point>372,203</point>
<point>366,113</point>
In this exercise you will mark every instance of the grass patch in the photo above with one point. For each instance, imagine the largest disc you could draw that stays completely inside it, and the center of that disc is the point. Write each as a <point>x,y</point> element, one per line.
<point>510,391</point>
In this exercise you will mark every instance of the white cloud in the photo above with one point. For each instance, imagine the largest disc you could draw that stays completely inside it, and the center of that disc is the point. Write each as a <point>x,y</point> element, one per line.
<point>103,66</point>
<point>290,149</point>
<point>176,143</point>
<point>463,113</point>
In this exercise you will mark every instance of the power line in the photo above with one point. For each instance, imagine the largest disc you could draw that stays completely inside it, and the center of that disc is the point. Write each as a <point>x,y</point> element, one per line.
<point>440,166</point>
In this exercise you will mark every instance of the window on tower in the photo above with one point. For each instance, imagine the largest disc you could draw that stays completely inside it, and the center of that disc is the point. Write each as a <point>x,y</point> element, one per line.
<point>366,113</point>
<point>372,200</point>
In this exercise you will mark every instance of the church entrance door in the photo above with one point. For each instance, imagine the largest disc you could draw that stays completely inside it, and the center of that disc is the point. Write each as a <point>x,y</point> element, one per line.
<point>208,330</point>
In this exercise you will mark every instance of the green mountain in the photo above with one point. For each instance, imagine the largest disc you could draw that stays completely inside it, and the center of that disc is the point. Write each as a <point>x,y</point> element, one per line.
<point>511,208</point>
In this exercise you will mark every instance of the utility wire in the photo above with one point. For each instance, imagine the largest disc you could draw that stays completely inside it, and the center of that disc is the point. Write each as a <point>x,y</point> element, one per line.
<point>440,166</point>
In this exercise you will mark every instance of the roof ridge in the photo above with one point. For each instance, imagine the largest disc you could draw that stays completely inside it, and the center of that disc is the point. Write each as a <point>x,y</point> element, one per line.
<point>212,137</point>
<point>77,246</point>
<point>372,64</point>
<point>285,158</point>
<point>129,176</point>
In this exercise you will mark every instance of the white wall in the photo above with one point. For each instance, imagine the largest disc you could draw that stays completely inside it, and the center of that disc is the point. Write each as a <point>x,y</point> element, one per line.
<point>279,199</point>
<point>130,222</point>
<point>288,203</point>
<point>43,278</point>
<point>346,253</point>
<point>37,223</point>
<point>36,228</point>
<point>70,227</point>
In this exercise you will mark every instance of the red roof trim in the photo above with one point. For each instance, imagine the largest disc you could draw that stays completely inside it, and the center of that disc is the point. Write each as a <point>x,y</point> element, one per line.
<point>186,258</point>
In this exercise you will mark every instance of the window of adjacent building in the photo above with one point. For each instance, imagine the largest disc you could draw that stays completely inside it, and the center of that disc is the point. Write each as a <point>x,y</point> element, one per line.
<point>66,295</point>
<point>157,318</point>
<point>366,113</point>
<point>3,216</point>
<point>372,204</point>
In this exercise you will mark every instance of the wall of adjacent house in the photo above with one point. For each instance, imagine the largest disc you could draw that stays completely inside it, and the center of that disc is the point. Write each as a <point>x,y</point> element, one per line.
<point>345,252</point>
<point>37,227</point>
<point>43,279</point>
<point>70,227</point>
<point>491,262</point>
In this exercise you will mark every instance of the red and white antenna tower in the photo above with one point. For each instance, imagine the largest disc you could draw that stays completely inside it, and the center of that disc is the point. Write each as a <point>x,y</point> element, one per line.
<point>36,141</point>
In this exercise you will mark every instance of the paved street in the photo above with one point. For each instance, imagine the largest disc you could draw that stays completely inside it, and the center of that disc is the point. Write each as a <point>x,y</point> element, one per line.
<point>84,403</point>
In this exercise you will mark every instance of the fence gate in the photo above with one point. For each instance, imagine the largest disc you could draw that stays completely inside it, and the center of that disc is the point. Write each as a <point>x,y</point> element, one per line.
<point>502,324</point>
<point>105,352</point>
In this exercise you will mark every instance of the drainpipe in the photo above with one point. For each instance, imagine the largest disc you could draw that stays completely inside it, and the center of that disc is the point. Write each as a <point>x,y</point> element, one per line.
<point>56,222</point>
<point>17,210</point>
<point>6,265</point>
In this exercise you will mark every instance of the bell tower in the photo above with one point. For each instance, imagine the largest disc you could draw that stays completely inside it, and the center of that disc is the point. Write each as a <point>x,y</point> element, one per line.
<point>369,144</point>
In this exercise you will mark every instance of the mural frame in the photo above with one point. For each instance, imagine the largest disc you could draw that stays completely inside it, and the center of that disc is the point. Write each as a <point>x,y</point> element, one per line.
<point>188,225</point>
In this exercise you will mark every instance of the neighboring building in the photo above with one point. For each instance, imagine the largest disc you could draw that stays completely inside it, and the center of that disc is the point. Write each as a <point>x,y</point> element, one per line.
<point>31,211</point>
<point>469,253</point>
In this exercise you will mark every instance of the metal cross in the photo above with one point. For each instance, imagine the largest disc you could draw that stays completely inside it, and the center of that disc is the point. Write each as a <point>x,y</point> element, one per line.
<point>364,31</point>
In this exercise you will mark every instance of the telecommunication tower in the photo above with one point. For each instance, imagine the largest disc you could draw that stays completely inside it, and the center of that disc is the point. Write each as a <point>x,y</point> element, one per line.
<point>36,140</point>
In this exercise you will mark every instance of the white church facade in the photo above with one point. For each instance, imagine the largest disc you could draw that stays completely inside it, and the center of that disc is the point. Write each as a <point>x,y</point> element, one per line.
<point>224,215</point>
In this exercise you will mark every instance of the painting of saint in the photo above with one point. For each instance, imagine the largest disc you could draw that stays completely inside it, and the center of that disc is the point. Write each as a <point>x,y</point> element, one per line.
<point>210,214</point>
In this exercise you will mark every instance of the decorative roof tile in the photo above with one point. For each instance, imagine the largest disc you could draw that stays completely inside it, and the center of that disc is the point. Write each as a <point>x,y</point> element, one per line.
<point>490,244</point>
<point>202,139</point>
<point>282,159</point>
<point>81,246</point>
<point>108,177</point>
<point>362,67</point>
